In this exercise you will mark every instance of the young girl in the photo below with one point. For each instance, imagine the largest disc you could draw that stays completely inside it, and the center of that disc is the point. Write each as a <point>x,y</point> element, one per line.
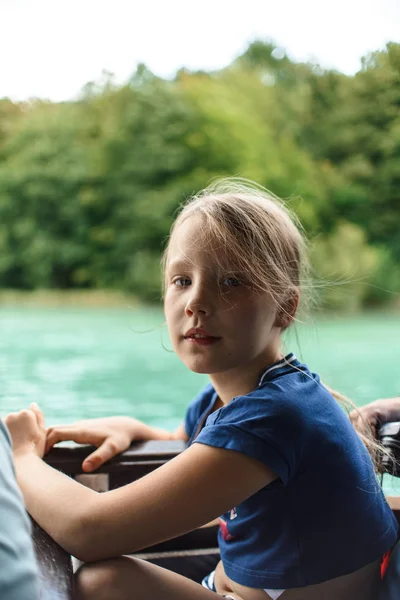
<point>269,448</point>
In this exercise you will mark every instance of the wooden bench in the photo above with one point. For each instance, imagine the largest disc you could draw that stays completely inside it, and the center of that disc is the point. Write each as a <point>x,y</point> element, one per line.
<point>56,565</point>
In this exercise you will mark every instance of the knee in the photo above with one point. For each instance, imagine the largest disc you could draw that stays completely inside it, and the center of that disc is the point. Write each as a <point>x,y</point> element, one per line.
<point>96,581</point>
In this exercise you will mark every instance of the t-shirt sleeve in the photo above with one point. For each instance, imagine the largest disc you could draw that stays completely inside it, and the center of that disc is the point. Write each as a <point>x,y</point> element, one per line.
<point>263,428</point>
<point>196,408</point>
<point>19,576</point>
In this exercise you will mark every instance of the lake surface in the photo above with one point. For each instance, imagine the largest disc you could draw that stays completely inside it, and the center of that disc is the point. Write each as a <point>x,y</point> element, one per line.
<point>89,362</point>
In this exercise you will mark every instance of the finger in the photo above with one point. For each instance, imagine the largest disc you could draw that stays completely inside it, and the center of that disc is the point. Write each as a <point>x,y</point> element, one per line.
<point>24,415</point>
<point>105,452</point>
<point>81,436</point>
<point>38,414</point>
<point>17,421</point>
<point>9,419</point>
<point>77,425</point>
<point>55,435</point>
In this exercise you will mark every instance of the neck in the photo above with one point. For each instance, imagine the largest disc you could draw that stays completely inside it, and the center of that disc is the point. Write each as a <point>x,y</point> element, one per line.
<point>243,380</point>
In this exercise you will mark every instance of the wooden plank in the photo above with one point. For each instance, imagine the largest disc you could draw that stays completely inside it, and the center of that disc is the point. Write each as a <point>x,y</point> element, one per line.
<point>55,566</point>
<point>68,459</point>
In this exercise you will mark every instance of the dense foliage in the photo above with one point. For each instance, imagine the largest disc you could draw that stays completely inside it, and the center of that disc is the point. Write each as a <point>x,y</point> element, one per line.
<point>88,188</point>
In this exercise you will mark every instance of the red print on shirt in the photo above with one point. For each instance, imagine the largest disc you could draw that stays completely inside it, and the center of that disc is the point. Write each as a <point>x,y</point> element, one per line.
<point>223,527</point>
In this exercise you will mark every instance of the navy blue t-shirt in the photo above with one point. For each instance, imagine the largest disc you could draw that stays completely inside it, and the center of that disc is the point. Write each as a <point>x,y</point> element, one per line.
<point>326,515</point>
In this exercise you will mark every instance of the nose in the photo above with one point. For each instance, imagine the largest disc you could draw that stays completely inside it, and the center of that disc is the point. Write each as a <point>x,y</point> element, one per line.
<point>199,302</point>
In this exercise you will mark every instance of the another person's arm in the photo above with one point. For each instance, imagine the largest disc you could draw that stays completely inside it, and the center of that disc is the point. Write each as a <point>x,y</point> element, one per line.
<point>111,435</point>
<point>18,569</point>
<point>375,414</point>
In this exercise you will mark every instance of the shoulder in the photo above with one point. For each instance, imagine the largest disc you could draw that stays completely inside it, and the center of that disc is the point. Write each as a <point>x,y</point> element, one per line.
<point>283,420</point>
<point>200,402</point>
<point>293,394</point>
<point>197,407</point>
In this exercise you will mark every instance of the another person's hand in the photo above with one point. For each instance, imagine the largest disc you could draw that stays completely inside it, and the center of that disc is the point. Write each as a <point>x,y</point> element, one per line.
<point>27,430</point>
<point>111,435</point>
<point>375,414</point>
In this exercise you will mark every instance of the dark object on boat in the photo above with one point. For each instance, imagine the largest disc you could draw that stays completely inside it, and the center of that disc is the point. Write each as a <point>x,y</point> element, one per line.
<point>55,566</point>
<point>193,554</point>
<point>389,436</point>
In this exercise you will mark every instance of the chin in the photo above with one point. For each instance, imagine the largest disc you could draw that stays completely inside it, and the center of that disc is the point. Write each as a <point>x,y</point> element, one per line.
<point>203,367</point>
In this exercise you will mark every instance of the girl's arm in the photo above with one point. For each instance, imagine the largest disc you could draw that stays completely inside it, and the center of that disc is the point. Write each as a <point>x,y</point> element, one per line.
<point>190,490</point>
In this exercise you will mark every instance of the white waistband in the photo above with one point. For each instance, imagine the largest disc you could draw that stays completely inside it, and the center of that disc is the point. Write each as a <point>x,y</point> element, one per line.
<point>274,593</point>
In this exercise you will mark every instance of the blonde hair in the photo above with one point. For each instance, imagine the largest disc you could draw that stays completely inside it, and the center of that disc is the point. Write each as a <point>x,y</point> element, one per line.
<point>377,451</point>
<point>265,242</point>
<point>257,231</point>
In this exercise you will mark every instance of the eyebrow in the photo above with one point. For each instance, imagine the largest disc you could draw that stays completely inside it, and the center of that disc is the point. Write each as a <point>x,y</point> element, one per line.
<point>179,262</point>
<point>184,263</point>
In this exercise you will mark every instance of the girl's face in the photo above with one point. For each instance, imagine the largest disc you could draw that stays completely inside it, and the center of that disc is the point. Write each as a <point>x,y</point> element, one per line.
<point>215,320</point>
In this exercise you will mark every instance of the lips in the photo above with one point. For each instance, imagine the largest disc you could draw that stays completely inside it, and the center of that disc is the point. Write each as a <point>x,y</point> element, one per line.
<point>198,333</point>
<point>200,336</point>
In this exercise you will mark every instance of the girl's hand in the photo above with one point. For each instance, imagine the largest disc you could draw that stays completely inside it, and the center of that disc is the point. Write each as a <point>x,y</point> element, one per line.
<point>111,435</point>
<point>27,430</point>
<point>375,414</point>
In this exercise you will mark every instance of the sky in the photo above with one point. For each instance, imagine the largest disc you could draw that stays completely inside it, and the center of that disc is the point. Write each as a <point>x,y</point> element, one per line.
<point>51,48</point>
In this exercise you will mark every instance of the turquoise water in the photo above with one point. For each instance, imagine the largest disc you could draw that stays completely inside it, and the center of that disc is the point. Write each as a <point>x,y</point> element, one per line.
<point>89,362</point>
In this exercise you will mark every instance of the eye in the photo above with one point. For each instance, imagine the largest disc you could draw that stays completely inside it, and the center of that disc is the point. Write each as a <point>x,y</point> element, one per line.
<point>230,281</point>
<point>181,281</point>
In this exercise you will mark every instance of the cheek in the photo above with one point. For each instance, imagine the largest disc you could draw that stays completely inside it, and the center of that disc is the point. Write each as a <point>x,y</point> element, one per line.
<point>256,316</point>
<point>167,312</point>
<point>171,313</point>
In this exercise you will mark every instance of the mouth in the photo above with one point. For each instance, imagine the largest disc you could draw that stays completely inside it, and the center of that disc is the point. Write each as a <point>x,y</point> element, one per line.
<point>200,337</point>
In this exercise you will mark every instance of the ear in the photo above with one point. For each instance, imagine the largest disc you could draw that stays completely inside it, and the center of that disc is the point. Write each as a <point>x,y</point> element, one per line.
<point>287,310</point>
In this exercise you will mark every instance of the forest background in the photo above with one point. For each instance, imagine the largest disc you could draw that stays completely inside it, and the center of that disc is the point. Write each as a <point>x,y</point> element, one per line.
<point>89,188</point>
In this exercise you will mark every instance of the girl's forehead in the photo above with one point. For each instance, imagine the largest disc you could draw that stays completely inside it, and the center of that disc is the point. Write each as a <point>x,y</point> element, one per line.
<point>191,226</point>
<point>203,257</point>
<point>194,244</point>
<point>191,236</point>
